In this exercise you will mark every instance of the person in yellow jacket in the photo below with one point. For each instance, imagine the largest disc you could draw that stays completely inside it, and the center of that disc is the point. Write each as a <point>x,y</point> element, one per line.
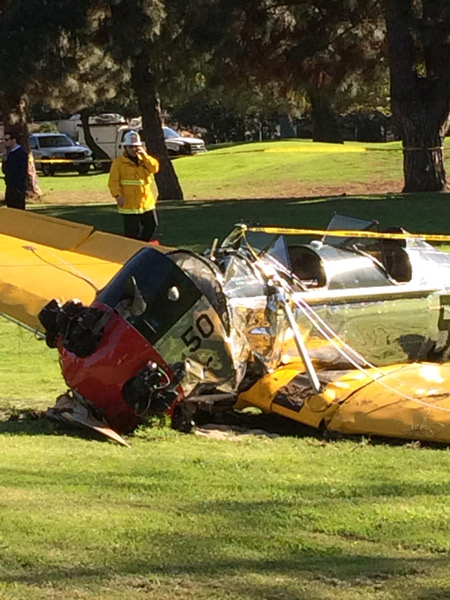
<point>129,183</point>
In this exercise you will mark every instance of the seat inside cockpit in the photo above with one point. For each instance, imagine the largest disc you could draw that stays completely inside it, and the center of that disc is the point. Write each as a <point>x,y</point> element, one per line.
<point>395,257</point>
<point>307,266</point>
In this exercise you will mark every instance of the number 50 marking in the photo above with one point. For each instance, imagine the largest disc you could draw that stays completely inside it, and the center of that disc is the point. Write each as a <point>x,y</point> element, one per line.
<point>205,329</point>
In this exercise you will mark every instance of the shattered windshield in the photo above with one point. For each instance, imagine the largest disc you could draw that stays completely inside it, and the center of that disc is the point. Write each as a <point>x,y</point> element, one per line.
<point>271,245</point>
<point>341,222</point>
<point>241,279</point>
<point>255,243</point>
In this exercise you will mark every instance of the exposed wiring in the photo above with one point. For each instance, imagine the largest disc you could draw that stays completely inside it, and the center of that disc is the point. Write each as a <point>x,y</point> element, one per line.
<point>164,385</point>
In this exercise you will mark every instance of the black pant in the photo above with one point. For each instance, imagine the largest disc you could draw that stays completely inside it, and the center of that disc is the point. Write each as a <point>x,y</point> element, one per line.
<point>15,198</point>
<point>140,227</point>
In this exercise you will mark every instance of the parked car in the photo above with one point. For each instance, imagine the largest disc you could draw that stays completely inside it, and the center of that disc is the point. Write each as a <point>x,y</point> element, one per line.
<point>178,145</point>
<point>57,146</point>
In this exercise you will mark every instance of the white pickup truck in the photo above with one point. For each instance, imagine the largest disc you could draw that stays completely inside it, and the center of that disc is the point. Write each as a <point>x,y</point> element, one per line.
<point>58,152</point>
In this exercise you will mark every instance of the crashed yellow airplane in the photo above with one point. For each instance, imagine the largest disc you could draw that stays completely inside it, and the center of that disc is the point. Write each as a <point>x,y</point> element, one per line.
<point>350,333</point>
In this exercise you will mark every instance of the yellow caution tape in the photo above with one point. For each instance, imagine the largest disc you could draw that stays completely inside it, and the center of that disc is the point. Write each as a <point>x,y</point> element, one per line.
<point>321,148</point>
<point>95,160</point>
<point>65,160</point>
<point>413,149</point>
<point>432,237</point>
<point>328,149</point>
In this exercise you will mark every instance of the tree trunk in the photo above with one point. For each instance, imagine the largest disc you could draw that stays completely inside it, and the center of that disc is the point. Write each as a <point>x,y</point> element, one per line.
<point>98,153</point>
<point>325,125</point>
<point>423,160</point>
<point>15,115</point>
<point>419,103</point>
<point>144,86</point>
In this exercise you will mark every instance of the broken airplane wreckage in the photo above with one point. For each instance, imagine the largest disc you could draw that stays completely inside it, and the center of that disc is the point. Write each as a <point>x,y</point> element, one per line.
<point>350,333</point>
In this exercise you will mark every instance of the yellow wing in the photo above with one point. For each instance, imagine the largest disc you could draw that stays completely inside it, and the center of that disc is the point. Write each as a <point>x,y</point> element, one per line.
<point>44,258</point>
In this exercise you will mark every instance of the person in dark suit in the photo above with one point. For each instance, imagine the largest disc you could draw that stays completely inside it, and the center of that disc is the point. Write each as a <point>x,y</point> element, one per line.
<point>15,168</point>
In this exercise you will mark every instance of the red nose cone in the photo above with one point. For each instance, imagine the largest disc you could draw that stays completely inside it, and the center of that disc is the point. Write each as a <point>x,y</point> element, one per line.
<point>100,377</point>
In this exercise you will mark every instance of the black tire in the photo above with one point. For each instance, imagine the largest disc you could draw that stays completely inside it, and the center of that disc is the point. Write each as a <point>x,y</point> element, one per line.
<point>47,170</point>
<point>102,165</point>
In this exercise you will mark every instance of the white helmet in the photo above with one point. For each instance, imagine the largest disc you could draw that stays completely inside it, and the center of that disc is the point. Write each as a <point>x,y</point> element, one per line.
<point>131,138</point>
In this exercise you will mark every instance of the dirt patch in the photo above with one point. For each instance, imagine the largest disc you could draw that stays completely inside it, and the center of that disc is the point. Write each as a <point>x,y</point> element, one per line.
<point>308,190</point>
<point>358,188</point>
<point>55,197</point>
<point>290,190</point>
<point>231,433</point>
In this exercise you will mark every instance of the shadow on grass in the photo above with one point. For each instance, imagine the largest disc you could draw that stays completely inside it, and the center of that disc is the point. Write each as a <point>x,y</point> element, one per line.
<point>302,571</point>
<point>434,593</point>
<point>29,422</point>
<point>70,174</point>
<point>254,514</point>
<point>195,224</point>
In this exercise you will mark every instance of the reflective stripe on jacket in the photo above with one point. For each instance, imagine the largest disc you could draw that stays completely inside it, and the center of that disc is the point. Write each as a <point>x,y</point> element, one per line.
<point>132,182</point>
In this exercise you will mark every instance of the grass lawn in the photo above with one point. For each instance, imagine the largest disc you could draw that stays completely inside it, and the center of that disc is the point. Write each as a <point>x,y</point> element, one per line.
<point>182,517</point>
<point>290,168</point>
